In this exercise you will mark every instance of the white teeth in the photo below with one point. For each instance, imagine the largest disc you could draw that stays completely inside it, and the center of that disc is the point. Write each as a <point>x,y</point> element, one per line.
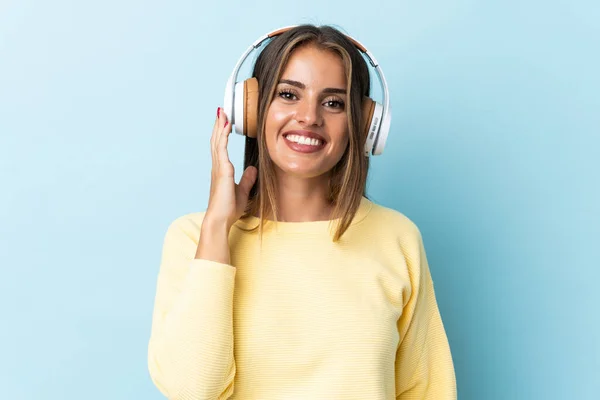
<point>303,140</point>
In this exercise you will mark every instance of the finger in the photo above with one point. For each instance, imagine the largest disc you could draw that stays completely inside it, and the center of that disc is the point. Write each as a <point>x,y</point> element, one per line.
<point>223,125</point>
<point>247,181</point>
<point>214,135</point>
<point>223,156</point>
<point>213,145</point>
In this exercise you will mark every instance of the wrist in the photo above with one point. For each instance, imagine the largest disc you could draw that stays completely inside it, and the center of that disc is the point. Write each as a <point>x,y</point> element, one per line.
<point>214,226</point>
<point>214,241</point>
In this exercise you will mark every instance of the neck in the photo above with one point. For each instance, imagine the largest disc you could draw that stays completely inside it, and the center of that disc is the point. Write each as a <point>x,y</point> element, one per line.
<point>302,199</point>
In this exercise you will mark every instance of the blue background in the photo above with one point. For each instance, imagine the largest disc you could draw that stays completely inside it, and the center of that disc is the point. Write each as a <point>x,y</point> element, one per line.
<point>106,110</point>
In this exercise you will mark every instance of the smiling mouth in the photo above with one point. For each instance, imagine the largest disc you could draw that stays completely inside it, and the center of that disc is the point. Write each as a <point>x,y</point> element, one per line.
<point>303,144</point>
<point>304,140</point>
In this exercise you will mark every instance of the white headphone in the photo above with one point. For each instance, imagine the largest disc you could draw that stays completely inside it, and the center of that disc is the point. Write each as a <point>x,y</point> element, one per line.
<point>241,100</point>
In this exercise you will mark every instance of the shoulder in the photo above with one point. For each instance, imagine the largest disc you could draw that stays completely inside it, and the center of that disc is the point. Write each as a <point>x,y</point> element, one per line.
<point>393,222</point>
<point>185,227</point>
<point>394,234</point>
<point>187,221</point>
<point>399,238</point>
<point>181,236</point>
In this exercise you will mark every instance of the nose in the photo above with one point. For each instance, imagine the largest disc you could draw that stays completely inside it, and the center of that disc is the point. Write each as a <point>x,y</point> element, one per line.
<point>308,112</point>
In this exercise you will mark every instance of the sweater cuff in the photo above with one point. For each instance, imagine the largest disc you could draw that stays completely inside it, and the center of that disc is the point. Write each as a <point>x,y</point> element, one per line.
<point>210,276</point>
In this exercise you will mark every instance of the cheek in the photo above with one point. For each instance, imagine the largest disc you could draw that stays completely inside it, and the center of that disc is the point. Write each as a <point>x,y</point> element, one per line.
<point>276,117</point>
<point>275,120</point>
<point>343,134</point>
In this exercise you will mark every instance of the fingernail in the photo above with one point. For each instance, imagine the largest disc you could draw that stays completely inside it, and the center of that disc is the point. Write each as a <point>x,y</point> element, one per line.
<point>218,111</point>
<point>226,122</point>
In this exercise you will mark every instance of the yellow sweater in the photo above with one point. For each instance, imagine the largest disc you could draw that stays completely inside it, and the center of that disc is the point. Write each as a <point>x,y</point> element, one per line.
<point>305,318</point>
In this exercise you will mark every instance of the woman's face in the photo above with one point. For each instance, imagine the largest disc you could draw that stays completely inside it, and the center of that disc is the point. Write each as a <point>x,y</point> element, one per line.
<point>306,125</point>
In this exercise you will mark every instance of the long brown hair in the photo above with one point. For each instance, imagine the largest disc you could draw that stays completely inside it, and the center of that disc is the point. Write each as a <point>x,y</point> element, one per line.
<point>347,181</point>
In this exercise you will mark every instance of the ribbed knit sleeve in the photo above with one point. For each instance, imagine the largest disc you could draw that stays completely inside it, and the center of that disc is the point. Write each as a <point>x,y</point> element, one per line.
<point>424,366</point>
<point>190,351</point>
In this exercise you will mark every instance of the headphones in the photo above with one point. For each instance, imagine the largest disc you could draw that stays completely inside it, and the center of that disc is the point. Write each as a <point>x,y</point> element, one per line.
<point>241,101</point>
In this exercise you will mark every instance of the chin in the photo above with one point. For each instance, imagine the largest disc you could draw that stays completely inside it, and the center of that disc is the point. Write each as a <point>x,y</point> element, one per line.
<point>301,171</point>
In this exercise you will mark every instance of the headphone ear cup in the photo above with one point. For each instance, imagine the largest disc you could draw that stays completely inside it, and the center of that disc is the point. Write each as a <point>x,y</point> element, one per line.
<point>368,107</point>
<point>250,111</point>
<point>372,113</point>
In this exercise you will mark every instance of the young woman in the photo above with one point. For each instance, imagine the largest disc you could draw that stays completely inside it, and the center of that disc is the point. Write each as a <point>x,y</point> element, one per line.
<point>259,297</point>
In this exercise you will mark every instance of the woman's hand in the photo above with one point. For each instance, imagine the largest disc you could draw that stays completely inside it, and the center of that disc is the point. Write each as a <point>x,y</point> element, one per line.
<point>227,200</point>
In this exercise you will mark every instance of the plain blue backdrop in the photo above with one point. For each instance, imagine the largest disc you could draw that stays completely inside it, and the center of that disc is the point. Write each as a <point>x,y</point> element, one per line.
<point>106,109</point>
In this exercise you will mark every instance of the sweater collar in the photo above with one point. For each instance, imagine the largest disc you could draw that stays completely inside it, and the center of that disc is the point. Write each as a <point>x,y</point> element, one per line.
<point>252,222</point>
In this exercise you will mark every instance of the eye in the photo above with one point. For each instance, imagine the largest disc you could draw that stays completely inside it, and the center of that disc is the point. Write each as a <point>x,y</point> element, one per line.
<point>287,94</point>
<point>334,103</point>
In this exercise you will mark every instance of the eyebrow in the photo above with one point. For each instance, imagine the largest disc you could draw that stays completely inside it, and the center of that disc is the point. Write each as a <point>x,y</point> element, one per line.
<point>303,86</point>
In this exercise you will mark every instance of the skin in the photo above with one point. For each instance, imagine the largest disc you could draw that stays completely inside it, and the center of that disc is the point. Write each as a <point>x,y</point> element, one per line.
<point>302,178</point>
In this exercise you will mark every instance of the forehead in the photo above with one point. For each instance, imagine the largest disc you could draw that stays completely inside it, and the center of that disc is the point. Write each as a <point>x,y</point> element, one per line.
<point>312,65</point>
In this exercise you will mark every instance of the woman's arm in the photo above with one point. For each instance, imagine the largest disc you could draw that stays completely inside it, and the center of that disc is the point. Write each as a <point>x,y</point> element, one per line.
<point>214,242</point>
<point>190,352</point>
<point>424,366</point>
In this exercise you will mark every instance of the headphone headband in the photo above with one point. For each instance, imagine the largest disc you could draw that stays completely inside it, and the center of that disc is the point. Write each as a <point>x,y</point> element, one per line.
<point>381,126</point>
